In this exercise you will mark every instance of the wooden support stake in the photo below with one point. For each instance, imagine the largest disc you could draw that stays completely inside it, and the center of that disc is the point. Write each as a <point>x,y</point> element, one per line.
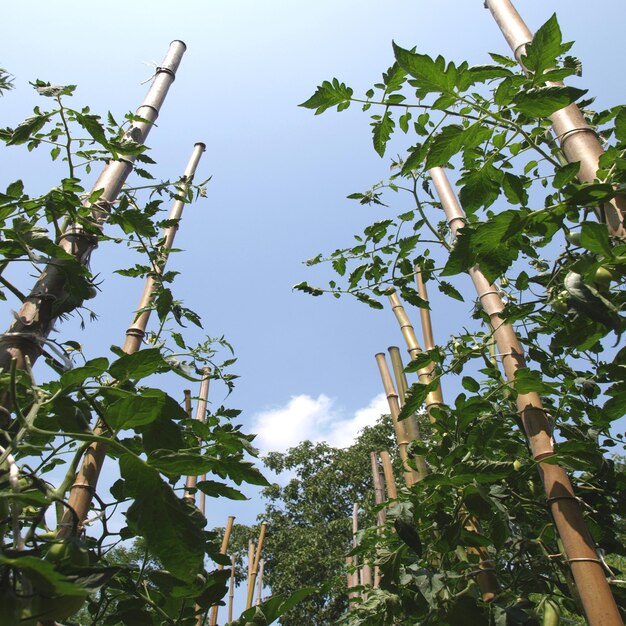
<point>425,374</point>
<point>192,481</point>
<point>231,589</point>
<point>579,141</point>
<point>581,553</point>
<point>390,481</point>
<point>223,550</point>
<point>85,484</point>
<point>411,476</point>
<point>259,585</point>
<point>255,565</point>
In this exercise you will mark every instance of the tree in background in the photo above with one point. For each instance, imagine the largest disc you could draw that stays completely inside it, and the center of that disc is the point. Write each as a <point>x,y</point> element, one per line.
<point>310,521</point>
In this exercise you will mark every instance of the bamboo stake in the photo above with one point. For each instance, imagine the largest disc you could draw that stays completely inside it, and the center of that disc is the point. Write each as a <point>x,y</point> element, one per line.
<point>427,327</point>
<point>578,141</point>
<point>425,374</point>
<point>379,498</point>
<point>251,551</point>
<point>379,489</point>
<point>192,481</point>
<point>259,586</point>
<point>411,476</point>
<point>410,423</point>
<point>84,487</point>
<point>49,297</point>
<point>587,568</point>
<point>390,481</point>
<point>223,550</point>
<point>255,565</point>
<point>188,408</point>
<point>350,582</point>
<point>486,579</point>
<point>231,589</point>
<point>137,331</point>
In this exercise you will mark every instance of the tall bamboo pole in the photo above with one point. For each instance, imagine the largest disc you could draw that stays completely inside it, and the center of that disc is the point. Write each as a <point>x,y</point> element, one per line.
<point>410,423</point>
<point>50,298</point>
<point>223,550</point>
<point>390,481</point>
<point>486,579</point>
<point>259,583</point>
<point>427,327</point>
<point>231,589</point>
<point>136,331</point>
<point>255,565</point>
<point>411,476</point>
<point>192,481</point>
<point>578,141</point>
<point>379,498</point>
<point>425,374</point>
<point>581,553</point>
<point>84,487</point>
<point>350,582</point>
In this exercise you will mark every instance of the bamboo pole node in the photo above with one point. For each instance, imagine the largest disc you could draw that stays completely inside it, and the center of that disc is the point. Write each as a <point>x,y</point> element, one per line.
<point>167,70</point>
<point>555,498</point>
<point>519,50</point>
<point>488,293</point>
<point>573,131</point>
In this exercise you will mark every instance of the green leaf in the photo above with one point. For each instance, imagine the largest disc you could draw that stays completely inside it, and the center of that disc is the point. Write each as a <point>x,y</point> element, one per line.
<point>142,409</point>
<point>239,472</point>
<point>513,187</point>
<point>481,188</point>
<point>27,128</point>
<point>595,238</point>
<point>138,365</point>
<point>78,375</point>
<point>306,288</point>
<point>429,74</point>
<point>565,174</point>
<point>329,94</point>
<point>214,489</point>
<point>543,101</point>
<point>179,463</point>
<point>545,48</point>
<point>620,125</point>
<point>415,398</point>
<point>91,123</point>
<point>163,519</point>
<point>450,291</point>
<point>382,130</point>
<point>527,381</point>
<point>367,299</point>
<point>470,384</point>
<point>420,361</point>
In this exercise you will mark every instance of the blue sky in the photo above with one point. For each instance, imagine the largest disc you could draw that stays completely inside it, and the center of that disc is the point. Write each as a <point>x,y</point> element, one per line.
<point>280,175</point>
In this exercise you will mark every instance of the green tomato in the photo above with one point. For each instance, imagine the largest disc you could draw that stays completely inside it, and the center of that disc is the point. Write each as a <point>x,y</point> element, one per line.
<point>573,236</point>
<point>602,278</point>
<point>68,554</point>
<point>551,613</point>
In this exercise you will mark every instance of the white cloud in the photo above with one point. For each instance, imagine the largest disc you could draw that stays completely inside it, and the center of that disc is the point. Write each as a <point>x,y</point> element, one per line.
<point>315,419</point>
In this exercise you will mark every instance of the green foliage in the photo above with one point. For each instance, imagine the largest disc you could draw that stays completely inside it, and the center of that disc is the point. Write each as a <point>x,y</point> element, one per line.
<point>562,278</point>
<point>117,399</point>
<point>309,522</point>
